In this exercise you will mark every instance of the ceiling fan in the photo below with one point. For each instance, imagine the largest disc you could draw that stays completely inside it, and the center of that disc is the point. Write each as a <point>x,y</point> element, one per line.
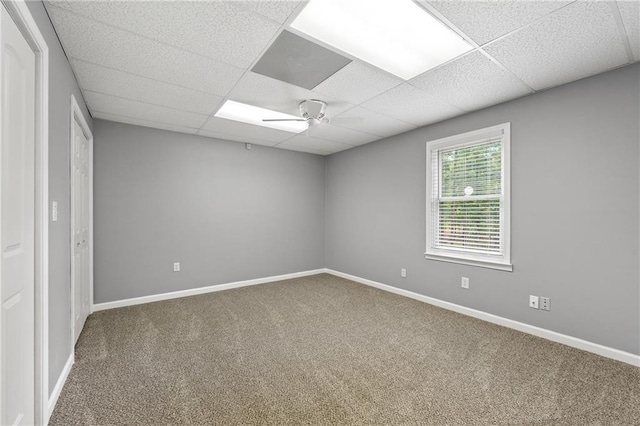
<point>313,111</point>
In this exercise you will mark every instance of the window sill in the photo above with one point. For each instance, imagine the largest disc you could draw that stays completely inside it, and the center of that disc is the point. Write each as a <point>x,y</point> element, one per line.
<point>471,262</point>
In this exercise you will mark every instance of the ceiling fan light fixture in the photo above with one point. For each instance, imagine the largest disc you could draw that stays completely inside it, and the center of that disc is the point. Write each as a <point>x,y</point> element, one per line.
<point>397,36</point>
<point>313,110</point>
<point>250,114</point>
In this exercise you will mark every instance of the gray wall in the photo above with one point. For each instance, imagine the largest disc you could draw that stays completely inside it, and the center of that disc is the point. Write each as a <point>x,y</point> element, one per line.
<point>226,213</point>
<point>575,189</point>
<point>62,84</point>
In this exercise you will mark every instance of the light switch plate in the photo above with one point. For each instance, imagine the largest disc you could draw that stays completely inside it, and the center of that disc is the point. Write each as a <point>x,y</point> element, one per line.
<point>54,211</point>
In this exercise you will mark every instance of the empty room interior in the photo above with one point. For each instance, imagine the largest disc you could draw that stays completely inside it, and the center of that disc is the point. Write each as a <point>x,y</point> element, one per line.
<point>320,212</point>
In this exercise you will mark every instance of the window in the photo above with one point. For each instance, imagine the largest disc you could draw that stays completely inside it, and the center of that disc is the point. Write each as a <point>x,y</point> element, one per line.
<point>468,198</point>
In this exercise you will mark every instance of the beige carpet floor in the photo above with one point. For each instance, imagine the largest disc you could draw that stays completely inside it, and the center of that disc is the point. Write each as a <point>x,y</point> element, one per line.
<point>324,350</point>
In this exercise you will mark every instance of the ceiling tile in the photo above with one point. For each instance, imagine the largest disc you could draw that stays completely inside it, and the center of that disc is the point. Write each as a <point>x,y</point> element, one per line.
<point>104,45</point>
<point>236,128</point>
<point>235,138</point>
<point>357,83</point>
<point>97,78</point>
<point>278,10</point>
<point>135,63</point>
<point>341,134</point>
<point>630,12</point>
<point>563,47</point>
<point>144,123</point>
<point>303,149</point>
<point>220,30</point>
<point>99,102</point>
<point>471,82</point>
<point>412,105</point>
<point>304,141</point>
<point>484,21</point>
<point>363,120</point>
<point>266,92</point>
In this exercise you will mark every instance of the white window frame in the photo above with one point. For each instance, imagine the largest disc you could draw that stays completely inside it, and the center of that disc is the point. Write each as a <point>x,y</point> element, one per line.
<point>503,262</point>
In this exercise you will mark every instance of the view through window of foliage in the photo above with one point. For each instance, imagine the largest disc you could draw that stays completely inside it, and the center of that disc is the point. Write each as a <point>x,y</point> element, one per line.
<point>469,206</point>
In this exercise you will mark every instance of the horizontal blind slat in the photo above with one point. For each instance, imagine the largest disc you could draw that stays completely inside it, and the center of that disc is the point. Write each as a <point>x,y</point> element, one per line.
<point>476,169</point>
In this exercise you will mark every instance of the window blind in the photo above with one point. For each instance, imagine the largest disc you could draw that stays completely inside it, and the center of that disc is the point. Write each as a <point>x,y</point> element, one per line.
<point>467,198</point>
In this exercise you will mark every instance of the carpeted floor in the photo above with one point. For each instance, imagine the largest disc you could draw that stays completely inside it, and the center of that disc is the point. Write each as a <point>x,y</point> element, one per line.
<point>324,350</point>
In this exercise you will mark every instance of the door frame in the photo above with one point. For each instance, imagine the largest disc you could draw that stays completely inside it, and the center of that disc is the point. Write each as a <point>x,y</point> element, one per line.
<point>77,116</point>
<point>19,11</point>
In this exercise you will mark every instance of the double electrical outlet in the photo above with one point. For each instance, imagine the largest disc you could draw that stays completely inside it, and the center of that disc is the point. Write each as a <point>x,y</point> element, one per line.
<point>543,303</point>
<point>464,283</point>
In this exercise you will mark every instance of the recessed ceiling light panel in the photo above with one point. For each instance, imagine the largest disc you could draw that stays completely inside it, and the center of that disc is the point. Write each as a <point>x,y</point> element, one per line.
<point>232,110</point>
<point>396,35</point>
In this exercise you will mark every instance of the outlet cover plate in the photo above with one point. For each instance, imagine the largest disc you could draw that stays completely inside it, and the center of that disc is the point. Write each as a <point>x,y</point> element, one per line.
<point>464,283</point>
<point>533,302</point>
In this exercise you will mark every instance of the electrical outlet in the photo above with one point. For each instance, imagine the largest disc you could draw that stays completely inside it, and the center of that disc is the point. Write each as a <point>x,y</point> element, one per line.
<point>54,211</point>
<point>545,303</point>
<point>176,267</point>
<point>465,282</point>
<point>403,273</point>
<point>533,302</point>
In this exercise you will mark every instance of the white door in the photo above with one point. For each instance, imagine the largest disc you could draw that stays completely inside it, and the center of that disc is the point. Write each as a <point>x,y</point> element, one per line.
<point>80,204</point>
<point>17,124</point>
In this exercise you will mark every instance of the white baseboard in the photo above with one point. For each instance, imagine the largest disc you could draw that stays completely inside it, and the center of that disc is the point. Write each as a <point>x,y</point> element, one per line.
<point>55,394</point>
<point>575,342</point>
<point>200,290</point>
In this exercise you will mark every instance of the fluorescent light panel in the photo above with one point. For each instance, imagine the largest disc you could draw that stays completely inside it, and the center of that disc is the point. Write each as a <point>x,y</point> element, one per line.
<point>396,35</point>
<point>236,111</point>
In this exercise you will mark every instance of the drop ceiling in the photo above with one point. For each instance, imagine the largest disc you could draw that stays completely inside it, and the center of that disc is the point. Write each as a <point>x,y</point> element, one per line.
<point>172,64</point>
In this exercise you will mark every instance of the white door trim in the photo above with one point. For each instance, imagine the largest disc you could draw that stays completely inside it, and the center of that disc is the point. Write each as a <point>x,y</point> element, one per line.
<point>24,20</point>
<point>77,116</point>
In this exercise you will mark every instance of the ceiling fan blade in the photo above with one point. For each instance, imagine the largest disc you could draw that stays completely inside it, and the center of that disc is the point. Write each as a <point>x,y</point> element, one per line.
<point>283,119</point>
